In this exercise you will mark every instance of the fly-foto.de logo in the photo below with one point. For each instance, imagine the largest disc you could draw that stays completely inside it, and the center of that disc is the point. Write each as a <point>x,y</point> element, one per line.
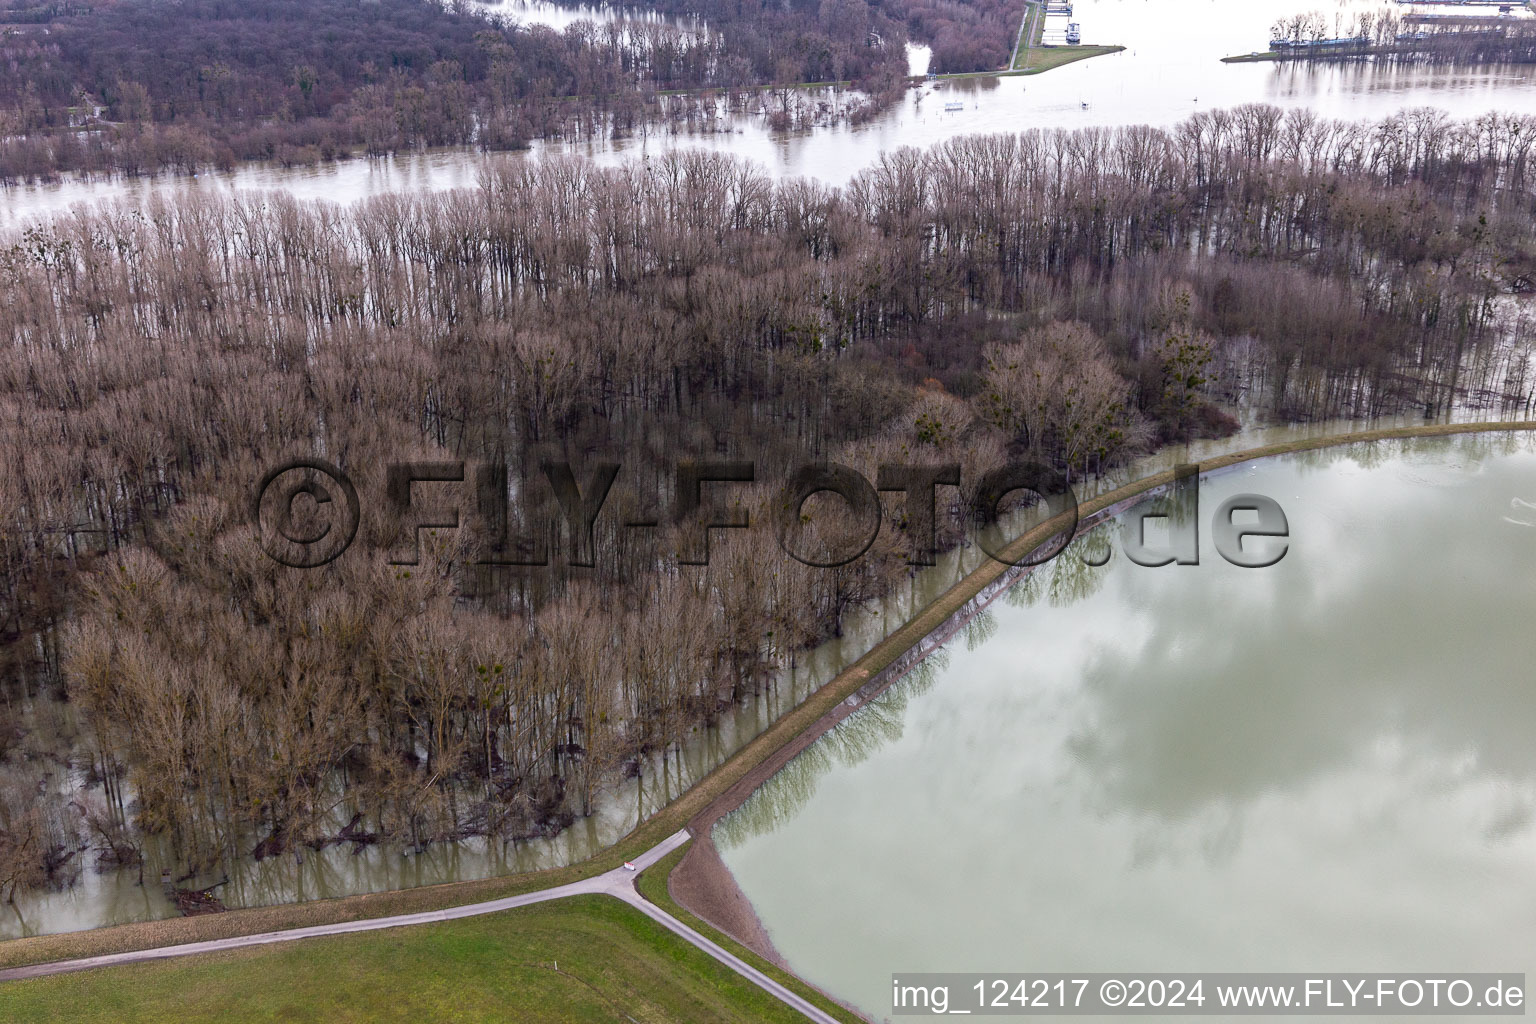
<point>307,512</point>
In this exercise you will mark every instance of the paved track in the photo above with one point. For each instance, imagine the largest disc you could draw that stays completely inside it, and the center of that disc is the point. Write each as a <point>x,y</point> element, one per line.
<point>617,883</point>
<point>1028,29</point>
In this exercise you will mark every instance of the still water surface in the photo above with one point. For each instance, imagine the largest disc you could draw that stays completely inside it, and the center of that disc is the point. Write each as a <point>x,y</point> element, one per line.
<point>1323,765</point>
<point>1170,69</point>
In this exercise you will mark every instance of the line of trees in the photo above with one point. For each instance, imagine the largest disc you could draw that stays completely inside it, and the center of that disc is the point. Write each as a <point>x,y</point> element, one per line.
<point>1388,35</point>
<point>1069,296</point>
<point>1377,27</point>
<point>186,84</point>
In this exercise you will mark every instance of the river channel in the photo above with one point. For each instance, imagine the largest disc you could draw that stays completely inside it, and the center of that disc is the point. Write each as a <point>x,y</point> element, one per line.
<point>1171,68</point>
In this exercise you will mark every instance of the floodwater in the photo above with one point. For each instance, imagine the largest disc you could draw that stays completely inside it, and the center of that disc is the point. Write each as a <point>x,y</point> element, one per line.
<point>561,16</point>
<point>1323,765</point>
<point>1170,69</point>
<point>109,896</point>
<point>115,896</point>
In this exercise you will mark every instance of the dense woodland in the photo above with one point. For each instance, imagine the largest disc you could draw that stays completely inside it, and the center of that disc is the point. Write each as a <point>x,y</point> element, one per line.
<point>977,35</point>
<point>1065,297</point>
<point>185,84</point>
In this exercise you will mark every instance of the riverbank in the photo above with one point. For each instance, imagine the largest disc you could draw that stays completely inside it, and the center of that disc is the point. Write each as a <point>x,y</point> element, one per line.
<point>1324,55</point>
<point>1031,32</point>
<point>1275,55</point>
<point>1046,58</point>
<point>717,793</point>
<point>702,883</point>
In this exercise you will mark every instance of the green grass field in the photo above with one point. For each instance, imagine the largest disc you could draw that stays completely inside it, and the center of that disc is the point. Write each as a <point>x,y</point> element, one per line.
<point>587,958</point>
<point>1043,58</point>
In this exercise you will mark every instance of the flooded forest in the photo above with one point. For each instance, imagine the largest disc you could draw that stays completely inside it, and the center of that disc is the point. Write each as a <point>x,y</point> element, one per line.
<point>1070,297</point>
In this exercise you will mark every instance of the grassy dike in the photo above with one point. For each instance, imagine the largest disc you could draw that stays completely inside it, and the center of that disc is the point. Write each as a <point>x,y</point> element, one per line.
<point>44,948</point>
<point>578,960</point>
<point>1031,30</point>
<point>1043,58</point>
<point>652,884</point>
